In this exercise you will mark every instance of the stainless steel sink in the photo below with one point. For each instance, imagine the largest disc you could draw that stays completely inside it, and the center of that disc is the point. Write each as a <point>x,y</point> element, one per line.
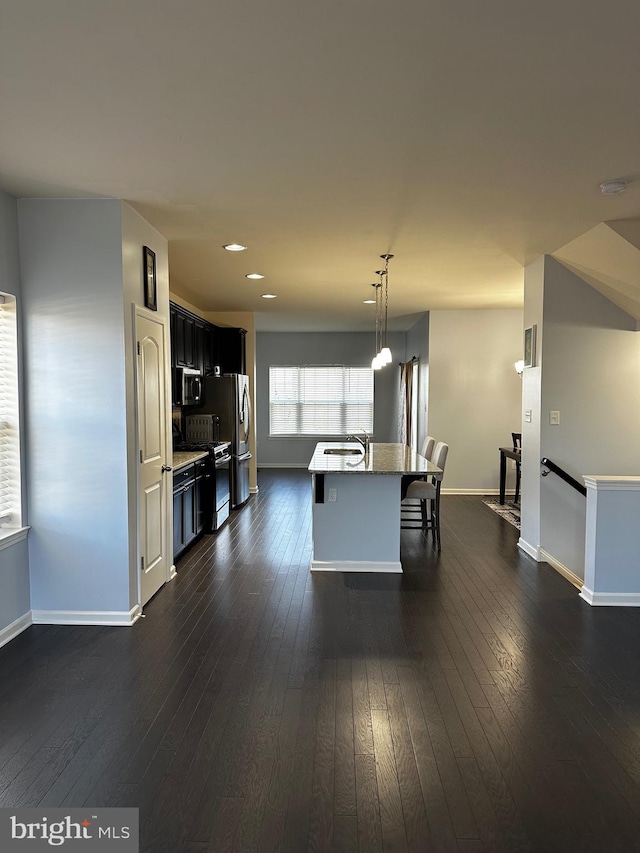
<point>343,451</point>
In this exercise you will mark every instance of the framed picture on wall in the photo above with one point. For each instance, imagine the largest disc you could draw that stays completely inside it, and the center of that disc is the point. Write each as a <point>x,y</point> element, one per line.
<point>149,278</point>
<point>530,347</point>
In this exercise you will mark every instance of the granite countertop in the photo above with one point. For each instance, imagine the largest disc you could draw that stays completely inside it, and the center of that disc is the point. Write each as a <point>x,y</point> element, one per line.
<point>186,457</point>
<point>381,459</point>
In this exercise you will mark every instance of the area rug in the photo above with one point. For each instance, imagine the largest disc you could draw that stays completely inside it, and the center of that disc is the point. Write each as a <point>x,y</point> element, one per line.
<point>505,510</point>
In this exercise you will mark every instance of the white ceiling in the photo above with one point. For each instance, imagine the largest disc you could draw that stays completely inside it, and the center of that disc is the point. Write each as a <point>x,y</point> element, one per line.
<point>465,137</point>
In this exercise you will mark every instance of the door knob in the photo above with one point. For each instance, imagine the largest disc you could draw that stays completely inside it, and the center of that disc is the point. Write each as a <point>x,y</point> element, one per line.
<point>166,468</point>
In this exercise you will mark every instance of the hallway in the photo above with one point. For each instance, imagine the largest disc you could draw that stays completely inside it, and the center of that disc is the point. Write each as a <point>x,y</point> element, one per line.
<point>474,703</point>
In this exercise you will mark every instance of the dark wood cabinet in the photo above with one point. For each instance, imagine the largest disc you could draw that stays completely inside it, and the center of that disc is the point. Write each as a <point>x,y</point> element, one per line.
<point>204,346</point>
<point>192,503</point>
<point>203,495</point>
<point>184,508</point>
<point>189,513</point>
<point>192,340</point>
<point>181,341</point>
<point>232,349</point>
<point>198,344</point>
<point>187,339</point>
<point>209,349</point>
<point>178,544</point>
<point>184,518</point>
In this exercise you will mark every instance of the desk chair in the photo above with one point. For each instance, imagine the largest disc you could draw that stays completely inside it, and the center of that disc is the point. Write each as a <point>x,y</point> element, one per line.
<point>517,445</point>
<point>429,491</point>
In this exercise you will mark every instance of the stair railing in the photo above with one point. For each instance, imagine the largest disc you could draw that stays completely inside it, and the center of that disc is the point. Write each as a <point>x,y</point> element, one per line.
<point>556,469</point>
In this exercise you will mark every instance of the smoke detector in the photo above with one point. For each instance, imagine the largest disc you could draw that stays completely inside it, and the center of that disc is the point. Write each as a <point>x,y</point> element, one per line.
<point>613,187</point>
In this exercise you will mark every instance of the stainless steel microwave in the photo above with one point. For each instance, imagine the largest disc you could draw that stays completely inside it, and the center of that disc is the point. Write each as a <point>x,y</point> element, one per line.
<point>188,386</point>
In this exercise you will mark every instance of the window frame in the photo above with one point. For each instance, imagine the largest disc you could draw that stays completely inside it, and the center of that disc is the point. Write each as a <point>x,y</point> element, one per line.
<point>10,437</point>
<point>344,430</point>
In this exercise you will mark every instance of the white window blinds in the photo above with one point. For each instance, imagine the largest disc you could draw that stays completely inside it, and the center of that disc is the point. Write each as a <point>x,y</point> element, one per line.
<point>320,400</point>
<point>9,433</point>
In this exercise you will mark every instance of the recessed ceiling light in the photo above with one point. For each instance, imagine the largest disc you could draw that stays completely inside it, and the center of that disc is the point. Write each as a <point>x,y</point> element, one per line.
<point>369,301</point>
<point>234,247</point>
<point>269,296</point>
<point>254,275</point>
<point>613,187</point>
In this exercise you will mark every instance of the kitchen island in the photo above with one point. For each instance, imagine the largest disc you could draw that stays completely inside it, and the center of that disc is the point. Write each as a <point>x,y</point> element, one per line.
<point>356,504</point>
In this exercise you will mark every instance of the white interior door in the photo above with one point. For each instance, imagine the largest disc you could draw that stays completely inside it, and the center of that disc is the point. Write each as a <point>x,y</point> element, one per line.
<point>154,479</point>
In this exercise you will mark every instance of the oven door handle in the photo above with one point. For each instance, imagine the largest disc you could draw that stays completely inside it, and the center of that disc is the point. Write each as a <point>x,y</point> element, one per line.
<point>222,460</point>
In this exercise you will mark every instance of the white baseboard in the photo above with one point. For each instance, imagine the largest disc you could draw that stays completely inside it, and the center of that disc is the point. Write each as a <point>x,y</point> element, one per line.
<point>355,566</point>
<point>610,599</point>
<point>253,490</point>
<point>474,492</point>
<point>283,465</point>
<point>560,568</point>
<point>529,550</point>
<point>86,617</point>
<point>16,627</point>
<point>172,572</point>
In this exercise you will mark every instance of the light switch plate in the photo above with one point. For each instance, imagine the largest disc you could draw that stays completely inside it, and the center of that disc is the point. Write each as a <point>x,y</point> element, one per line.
<point>527,416</point>
<point>554,418</point>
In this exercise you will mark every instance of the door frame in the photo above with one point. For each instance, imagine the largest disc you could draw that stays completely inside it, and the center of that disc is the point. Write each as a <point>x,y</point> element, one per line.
<point>163,322</point>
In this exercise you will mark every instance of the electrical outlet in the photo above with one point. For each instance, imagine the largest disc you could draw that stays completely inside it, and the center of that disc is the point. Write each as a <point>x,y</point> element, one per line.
<point>333,495</point>
<point>554,418</point>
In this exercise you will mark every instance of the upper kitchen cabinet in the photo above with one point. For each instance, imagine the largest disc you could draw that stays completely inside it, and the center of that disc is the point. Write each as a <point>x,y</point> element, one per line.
<point>204,346</point>
<point>232,349</point>
<point>187,339</point>
<point>209,348</point>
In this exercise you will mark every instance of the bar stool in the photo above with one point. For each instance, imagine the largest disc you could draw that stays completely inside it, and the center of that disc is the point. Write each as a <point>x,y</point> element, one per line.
<point>429,491</point>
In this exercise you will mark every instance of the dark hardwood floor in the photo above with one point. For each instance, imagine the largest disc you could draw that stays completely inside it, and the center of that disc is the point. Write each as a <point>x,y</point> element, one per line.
<point>474,703</point>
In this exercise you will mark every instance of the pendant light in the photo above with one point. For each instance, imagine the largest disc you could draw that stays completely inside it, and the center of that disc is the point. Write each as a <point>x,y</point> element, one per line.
<point>385,352</point>
<point>376,363</point>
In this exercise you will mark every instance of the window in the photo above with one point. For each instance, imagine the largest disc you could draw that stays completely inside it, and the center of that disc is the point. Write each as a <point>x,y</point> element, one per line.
<point>9,430</point>
<point>322,400</point>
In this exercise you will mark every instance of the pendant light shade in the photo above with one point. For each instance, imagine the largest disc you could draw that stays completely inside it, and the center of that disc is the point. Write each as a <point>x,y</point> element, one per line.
<point>383,353</point>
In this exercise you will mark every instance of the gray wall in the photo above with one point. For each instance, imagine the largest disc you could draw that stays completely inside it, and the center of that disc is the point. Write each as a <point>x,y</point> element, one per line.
<point>322,348</point>
<point>81,275</point>
<point>71,255</point>
<point>531,389</point>
<point>591,375</point>
<point>474,392</point>
<point>14,559</point>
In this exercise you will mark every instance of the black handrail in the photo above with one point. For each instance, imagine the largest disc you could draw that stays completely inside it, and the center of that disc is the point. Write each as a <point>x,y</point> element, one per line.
<point>563,475</point>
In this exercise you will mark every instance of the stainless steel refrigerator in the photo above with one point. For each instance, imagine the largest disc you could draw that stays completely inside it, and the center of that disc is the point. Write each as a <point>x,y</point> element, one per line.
<point>228,397</point>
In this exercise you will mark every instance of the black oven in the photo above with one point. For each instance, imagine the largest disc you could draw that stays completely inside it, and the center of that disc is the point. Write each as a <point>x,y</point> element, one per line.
<point>218,496</point>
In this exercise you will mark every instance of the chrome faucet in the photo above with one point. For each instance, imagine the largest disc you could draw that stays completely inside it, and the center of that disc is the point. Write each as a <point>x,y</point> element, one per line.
<point>365,442</point>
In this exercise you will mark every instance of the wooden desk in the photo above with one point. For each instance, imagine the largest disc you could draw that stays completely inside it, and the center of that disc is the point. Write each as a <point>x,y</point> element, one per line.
<point>506,453</point>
